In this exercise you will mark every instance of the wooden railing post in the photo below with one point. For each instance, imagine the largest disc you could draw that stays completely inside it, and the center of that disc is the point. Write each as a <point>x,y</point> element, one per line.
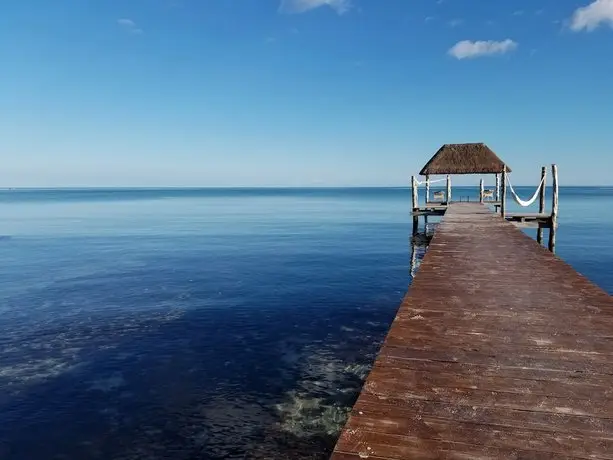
<point>497,187</point>
<point>414,204</point>
<point>539,232</point>
<point>448,190</point>
<point>427,189</point>
<point>481,192</point>
<point>503,201</point>
<point>554,209</point>
<point>542,194</point>
<point>414,196</point>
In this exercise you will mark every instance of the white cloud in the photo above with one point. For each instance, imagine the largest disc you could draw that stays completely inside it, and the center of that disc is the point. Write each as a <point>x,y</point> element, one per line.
<point>469,49</point>
<point>126,22</point>
<point>130,26</point>
<point>591,16</point>
<point>301,6</point>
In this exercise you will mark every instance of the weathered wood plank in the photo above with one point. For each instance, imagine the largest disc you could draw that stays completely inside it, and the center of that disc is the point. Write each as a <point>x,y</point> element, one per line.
<point>429,428</point>
<point>581,388</point>
<point>516,372</point>
<point>500,359</point>
<point>499,350</point>
<point>372,405</point>
<point>499,399</point>
<point>571,349</point>
<point>389,446</point>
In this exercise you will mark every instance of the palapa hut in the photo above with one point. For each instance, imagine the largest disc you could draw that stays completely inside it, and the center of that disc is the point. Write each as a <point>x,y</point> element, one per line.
<point>473,158</point>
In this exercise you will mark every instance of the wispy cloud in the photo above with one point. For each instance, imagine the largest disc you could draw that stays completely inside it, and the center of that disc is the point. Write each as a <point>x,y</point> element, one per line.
<point>301,6</point>
<point>129,26</point>
<point>126,22</point>
<point>593,15</point>
<point>472,49</point>
<point>455,22</point>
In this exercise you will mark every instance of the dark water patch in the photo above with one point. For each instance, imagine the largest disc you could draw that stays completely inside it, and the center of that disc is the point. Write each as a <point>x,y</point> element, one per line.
<point>220,384</point>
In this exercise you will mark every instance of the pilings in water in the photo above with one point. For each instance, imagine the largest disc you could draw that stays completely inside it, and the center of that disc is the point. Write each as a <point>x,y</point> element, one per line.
<point>481,191</point>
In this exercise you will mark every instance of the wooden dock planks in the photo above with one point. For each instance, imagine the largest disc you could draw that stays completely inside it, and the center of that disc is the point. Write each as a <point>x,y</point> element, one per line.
<point>500,350</point>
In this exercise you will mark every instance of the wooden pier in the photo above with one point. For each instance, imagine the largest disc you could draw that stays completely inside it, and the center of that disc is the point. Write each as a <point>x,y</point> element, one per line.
<point>478,158</point>
<point>500,350</point>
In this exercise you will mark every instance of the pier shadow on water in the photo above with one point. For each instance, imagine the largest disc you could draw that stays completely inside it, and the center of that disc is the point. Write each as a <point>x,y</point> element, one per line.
<point>418,246</point>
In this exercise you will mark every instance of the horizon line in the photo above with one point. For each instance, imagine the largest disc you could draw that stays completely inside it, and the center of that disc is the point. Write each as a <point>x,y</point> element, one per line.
<point>236,187</point>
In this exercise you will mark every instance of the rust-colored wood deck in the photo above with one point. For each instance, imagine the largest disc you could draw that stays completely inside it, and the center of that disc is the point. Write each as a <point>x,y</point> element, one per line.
<point>500,350</point>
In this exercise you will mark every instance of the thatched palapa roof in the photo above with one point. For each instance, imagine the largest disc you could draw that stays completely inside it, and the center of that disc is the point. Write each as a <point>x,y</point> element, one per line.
<point>464,159</point>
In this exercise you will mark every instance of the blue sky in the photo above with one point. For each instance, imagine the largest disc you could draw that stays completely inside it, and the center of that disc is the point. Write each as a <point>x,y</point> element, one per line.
<point>300,92</point>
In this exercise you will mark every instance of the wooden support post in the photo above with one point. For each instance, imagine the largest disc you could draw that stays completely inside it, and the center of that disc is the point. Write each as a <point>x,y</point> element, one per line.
<point>554,209</point>
<point>413,263</point>
<point>503,187</point>
<point>448,190</point>
<point>427,189</point>
<point>542,194</point>
<point>539,232</point>
<point>497,187</point>
<point>481,192</point>
<point>414,204</point>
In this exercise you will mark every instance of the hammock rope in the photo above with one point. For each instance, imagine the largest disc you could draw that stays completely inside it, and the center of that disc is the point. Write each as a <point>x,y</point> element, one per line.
<point>432,181</point>
<point>518,200</point>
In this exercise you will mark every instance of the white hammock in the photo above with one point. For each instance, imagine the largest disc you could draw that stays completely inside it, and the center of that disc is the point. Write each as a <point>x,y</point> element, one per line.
<point>518,200</point>
<point>432,181</point>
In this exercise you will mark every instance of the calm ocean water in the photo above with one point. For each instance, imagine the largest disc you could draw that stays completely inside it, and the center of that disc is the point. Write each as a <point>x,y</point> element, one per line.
<point>212,324</point>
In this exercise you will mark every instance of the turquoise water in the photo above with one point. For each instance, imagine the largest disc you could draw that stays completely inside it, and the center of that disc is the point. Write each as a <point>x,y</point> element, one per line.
<point>157,324</point>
